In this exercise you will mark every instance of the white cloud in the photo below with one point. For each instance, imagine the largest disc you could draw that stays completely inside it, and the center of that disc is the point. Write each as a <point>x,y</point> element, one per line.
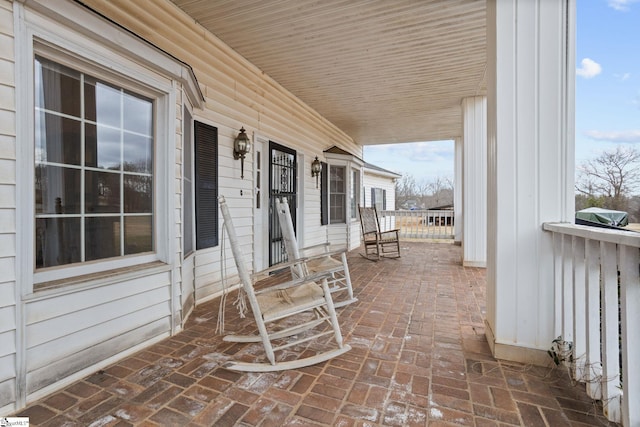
<point>622,77</point>
<point>422,160</point>
<point>432,151</point>
<point>621,5</point>
<point>588,68</point>
<point>622,136</point>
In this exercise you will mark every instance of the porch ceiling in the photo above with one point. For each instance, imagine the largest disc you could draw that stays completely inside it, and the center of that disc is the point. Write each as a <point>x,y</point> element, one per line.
<point>382,71</point>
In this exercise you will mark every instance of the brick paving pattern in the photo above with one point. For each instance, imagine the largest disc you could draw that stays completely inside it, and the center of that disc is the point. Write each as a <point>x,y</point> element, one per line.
<point>419,357</point>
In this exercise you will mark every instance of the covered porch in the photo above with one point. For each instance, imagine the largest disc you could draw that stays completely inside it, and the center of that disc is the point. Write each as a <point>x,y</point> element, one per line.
<point>313,82</point>
<point>419,357</point>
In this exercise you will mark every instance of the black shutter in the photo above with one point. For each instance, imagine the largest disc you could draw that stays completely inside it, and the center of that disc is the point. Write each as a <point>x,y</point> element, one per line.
<point>206,162</point>
<point>324,194</point>
<point>384,200</point>
<point>373,197</point>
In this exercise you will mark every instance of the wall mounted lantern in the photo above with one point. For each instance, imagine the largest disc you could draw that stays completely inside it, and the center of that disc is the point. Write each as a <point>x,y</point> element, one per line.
<point>241,146</point>
<point>316,168</point>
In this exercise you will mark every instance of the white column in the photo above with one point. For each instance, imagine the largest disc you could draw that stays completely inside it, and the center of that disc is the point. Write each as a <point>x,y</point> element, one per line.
<point>458,207</point>
<point>530,91</point>
<point>474,187</point>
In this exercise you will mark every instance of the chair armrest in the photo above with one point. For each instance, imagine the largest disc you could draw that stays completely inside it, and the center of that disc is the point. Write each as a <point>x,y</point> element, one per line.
<point>327,250</point>
<point>389,234</point>
<point>319,245</point>
<point>263,274</point>
<point>395,230</point>
<point>315,278</point>
<point>314,249</point>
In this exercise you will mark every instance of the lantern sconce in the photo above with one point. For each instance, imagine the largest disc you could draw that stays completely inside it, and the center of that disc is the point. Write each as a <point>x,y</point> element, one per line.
<point>241,146</point>
<point>316,168</point>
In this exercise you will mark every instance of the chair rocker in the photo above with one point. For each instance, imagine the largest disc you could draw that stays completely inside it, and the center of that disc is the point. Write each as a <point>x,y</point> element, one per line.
<point>280,301</point>
<point>315,259</point>
<point>377,243</point>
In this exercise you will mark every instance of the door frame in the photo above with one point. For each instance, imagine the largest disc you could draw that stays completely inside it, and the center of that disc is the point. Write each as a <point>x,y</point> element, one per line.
<point>260,202</point>
<point>292,195</point>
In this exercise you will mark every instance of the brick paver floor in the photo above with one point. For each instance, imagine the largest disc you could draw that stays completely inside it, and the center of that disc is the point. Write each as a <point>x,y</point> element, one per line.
<point>419,357</point>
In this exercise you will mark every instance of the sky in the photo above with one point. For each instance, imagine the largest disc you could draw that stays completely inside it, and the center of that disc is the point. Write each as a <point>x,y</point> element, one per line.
<point>607,94</point>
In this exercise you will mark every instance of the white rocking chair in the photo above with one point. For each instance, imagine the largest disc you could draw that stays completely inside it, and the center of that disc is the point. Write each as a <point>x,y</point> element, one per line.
<point>304,294</point>
<point>315,259</point>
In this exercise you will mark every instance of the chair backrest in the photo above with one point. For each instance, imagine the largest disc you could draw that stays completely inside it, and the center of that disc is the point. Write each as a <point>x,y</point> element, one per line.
<point>369,220</point>
<point>289,234</point>
<point>286,224</point>
<point>238,256</point>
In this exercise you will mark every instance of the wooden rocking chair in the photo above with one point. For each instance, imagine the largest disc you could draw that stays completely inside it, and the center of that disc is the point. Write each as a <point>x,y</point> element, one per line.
<point>315,259</point>
<point>377,243</point>
<point>304,294</point>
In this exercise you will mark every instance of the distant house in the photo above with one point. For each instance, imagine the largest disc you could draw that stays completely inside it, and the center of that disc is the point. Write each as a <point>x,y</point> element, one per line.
<point>440,217</point>
<point>379,187</point>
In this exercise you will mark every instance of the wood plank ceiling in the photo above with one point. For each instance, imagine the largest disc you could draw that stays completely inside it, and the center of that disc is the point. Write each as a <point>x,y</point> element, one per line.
<point>384,71</point>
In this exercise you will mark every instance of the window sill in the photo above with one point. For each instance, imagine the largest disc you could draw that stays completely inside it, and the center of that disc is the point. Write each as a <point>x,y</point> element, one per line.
<point>94,280</point>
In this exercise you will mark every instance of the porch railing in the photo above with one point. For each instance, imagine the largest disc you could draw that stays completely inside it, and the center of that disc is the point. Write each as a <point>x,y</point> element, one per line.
<point>597,313</point>
<point>422,224</point>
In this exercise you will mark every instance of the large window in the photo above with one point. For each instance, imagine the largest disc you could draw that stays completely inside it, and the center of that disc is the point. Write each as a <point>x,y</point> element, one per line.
<point>379,198</point>
<point>94,151</point>
<point>340,193</point>
<point>337,194</point>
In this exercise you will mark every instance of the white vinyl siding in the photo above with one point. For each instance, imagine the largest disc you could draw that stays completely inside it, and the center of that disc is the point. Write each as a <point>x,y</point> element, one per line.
<point>67,332</point>
<point>380,185</point>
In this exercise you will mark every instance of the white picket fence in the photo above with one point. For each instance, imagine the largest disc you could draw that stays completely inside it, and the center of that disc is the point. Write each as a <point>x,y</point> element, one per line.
<point>597,313</point>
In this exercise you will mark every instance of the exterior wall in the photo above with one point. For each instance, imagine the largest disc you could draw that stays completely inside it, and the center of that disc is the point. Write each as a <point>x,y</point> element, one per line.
<point>81,323</point>
<point>9,310</point>
<point>54,336</point>
<point>354,233</point>
<point>237,94</point>
<point>68,332</point>
<point>372,180</point>
<point>530,123</point>
<point>313,232</point>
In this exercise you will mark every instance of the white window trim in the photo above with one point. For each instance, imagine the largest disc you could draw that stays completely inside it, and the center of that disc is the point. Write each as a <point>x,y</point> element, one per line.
<point>358,193</point>
<point>351,163</point>
<point>187,106</point>
<point>347,180</point>
<point>109,52</point>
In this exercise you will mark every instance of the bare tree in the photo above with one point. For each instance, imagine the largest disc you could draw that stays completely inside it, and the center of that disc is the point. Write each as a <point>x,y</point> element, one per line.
<point>613,175</point>
<point>423,194</point>
<point>441,190</point>
<point>406,191</point>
